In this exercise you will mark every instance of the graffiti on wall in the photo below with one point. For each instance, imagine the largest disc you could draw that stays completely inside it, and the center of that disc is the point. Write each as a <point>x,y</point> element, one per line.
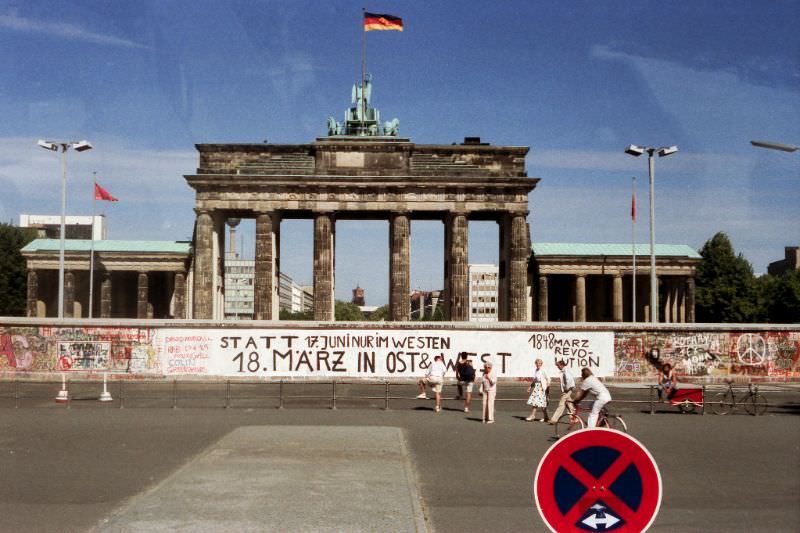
<point>48,349</point>
<point>708,354</point>
<point>378,353</point>
<point>392,353</point>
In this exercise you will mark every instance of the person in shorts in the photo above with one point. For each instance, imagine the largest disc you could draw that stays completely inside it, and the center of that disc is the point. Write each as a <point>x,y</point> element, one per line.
<point>465,374</point>
<point>434,379</point>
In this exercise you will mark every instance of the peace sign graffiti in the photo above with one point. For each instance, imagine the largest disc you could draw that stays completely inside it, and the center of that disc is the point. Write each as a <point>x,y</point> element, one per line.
<point>751,349</point>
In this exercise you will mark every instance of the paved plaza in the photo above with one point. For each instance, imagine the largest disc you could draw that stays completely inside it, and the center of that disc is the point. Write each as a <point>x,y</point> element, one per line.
<point>94,467</point>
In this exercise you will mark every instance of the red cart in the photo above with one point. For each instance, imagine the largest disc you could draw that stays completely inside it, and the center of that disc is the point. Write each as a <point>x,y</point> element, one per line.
<point>687,398</point>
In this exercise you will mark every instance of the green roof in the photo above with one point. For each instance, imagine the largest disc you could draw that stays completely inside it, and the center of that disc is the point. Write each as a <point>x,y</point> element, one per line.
<point>610,249</point>
<point>85,245</point>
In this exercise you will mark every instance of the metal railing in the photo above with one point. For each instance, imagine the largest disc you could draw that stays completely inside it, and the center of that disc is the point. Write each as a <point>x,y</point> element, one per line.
<point>276,393</point>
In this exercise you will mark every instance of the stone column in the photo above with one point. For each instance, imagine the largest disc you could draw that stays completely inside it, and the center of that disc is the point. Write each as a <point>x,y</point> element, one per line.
<point>202,290</point>
<point>69,294</point>
<point>518,269</point>
<point>179,290</point>
<point>323,267</point>
<point>676,300</point>
<point>543,298</point>
<point>504,242</point>
<point>276,261</point>
<point>580,298</point>
<point>690,299</point>
<point>264,282</point>
<point>218,260</point>
<point>458,291</point>
<point>399,267</point>
<point>445,294</point>
<point>617,302</point>
<point>105,296</point>
<point>142,295</point>
<point>33,293</point>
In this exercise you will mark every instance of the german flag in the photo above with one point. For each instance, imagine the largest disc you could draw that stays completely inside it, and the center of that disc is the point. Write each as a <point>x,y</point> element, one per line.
<point>375,21</point>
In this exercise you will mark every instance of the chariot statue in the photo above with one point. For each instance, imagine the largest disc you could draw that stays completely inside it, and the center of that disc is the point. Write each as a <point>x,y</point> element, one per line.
<point>362,119</point>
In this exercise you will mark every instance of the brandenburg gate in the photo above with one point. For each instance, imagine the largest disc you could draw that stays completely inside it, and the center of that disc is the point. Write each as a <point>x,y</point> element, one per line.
<point>361,170</point>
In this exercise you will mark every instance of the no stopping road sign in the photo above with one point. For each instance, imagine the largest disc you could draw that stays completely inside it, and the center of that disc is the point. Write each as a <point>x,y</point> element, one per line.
<point>597,480</point>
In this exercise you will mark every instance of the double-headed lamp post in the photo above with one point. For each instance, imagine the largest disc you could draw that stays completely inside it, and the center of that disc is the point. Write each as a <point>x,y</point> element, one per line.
<point>78,146</point>
<point>664,151</point>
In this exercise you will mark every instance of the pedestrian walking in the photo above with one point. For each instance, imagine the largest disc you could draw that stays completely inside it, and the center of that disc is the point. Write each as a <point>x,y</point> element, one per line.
<point>567,383</point>
<point>489,391</point>
<point>538,389</point>
<point>434,378</point>
<point>465,374</point>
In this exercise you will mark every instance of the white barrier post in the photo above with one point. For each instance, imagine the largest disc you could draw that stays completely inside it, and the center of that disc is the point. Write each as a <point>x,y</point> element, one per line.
<point>105,396</point>
<point>63,394</point>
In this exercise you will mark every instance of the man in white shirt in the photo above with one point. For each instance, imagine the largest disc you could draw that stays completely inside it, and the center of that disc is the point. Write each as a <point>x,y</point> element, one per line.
<point>602,396</point>
<point>567,386</point>
<point>434,378</point>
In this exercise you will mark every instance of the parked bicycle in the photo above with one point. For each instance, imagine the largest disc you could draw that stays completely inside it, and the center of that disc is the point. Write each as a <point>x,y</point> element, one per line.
<point>569,422</point>
<point>727,401</point>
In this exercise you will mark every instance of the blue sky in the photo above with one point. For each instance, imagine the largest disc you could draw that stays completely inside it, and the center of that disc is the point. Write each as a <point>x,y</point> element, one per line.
<point>577,82</point>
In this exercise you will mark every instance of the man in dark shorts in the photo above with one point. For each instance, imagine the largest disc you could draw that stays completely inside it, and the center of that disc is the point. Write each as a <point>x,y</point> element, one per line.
<point>465,374</point>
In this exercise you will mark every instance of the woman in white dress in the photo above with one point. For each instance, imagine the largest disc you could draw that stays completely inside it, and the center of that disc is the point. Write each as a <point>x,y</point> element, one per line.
<point>538,390</point>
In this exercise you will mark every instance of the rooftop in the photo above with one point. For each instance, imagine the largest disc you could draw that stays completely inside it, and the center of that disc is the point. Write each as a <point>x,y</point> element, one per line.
<point>85,245</point>
<point>610,249</point>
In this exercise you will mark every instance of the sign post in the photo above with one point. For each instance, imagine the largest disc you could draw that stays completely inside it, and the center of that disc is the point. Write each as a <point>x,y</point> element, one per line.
<point>597,480</point>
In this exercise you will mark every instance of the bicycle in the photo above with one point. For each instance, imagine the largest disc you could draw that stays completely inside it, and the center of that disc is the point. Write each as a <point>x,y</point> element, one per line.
<point>569,422</point>
<point>726,402</point>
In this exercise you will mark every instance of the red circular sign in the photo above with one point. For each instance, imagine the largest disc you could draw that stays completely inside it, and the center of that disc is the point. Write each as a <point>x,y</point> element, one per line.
<point>597,480</point>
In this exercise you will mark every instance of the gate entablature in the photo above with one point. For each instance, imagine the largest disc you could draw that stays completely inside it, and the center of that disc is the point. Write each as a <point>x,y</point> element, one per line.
<point>362,174</point>
<point>380,177</point>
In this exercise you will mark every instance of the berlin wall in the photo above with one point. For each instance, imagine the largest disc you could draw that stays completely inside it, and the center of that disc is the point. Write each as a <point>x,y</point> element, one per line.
<point>147,349</point>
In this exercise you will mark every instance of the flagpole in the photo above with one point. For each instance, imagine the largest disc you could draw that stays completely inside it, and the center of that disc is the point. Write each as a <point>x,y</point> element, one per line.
<point>363,64</point>
<point>633,249</point>
<point>91,252</point>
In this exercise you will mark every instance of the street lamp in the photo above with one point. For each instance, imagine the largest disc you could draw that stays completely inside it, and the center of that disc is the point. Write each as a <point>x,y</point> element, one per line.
<point>664,151</point>
<point>78,146</point>
<point>775,146</point>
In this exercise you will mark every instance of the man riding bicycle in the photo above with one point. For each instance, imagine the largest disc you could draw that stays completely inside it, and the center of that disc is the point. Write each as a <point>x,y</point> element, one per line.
<point>591,384</point>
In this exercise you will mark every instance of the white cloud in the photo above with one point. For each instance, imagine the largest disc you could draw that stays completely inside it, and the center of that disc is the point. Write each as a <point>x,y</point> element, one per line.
<point>62,29</point>
<point>711,164</point>
<point>733,109</point>
<point>153,195</point>
<point>683,216</point>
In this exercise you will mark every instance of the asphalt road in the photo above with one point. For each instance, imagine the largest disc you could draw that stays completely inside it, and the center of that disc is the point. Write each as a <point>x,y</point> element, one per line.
<point>68,469</point>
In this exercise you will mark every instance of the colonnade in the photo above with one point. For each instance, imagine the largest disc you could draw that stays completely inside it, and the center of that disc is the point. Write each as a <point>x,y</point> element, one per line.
<point>209,265</point>
<point>676,305</point>
<point>77,293</point>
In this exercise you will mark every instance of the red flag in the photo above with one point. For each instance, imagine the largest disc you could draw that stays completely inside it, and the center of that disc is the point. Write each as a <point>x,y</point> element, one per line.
<point>102,194</point>
<point>633,207</point>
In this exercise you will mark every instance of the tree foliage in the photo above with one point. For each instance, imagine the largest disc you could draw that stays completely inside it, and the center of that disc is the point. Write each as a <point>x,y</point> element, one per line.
<point>381,314</point>
<point>726,286</point>
<point>779,298</point>
<point>727,290</point>
<point>347,312</point>
<point>297,316</point>
<point>13,270</point>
